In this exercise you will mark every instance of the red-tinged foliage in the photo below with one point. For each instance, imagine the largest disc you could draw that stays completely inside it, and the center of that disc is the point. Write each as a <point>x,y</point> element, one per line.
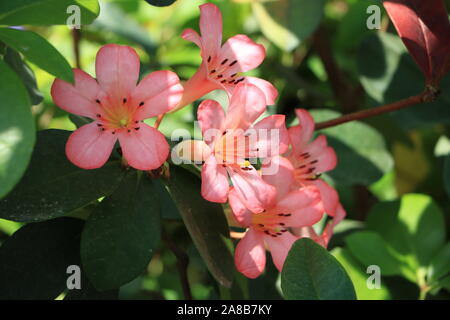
<point>425,29</point>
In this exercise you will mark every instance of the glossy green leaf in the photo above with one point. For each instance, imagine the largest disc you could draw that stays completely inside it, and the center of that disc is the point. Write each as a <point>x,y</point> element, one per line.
<point>34,260</point>
<point>310,272</point>
<point>440,264</point>
<point>160,3</point>
<point>122,233</point>
<point>413,228</point>
<point>54,187</point>
<point>378,254</point>
<point>359,276</point>
<point>14,60</point>
<point>363,157</point>
<point>46,12</point>
<point>288,22</point>
<point>38,51</point>
<point>17,132</point>
<point>392,75</point>
<point>205,222</point>
<point>447,174</point>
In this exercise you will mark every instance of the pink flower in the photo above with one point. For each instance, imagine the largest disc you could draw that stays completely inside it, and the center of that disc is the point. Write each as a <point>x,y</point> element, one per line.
<point>232,139</point>
<point>222,65</point>
<point>292,207</point>
<point>118,106</point>
<point>311,159</point>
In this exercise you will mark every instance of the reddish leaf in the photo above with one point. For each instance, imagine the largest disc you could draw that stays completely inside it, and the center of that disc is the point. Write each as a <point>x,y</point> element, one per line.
<point>425,29</point>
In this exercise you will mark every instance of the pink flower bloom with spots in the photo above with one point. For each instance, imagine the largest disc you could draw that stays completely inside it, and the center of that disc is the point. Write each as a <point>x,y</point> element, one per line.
<point>222,65</point>
<point>229,140</point>
<point>118,106</point>
<point>311,159</point>
<point>292,207</point>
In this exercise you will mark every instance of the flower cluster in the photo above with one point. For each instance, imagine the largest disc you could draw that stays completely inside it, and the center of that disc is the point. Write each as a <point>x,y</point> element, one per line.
<point>269,175</point>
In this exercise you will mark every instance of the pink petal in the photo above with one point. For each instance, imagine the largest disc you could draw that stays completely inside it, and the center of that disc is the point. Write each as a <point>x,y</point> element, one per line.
<point>250,255</point>
<point>303,204</point>
<point>240,212</point>
<point>191,151</point>
<point>144,149</point>
<point>253,191</point>
<point>325,155</point>
<point>160,91</point>
<point>329,229</point>
<point>211,118</point>
<point>215,184</point>
<point>301,134</point>
<point>329,196</point>
<point>210,29</point>
<point>245,51</point>
<point>269,90</point>
<point>279,247</point>
<point>79,98</point>
<point>246,105</point>
<point>279,172</point>
<point>193,36</point>
<point>117,70</point>
<point>89,147</point>
<point>272,136</point>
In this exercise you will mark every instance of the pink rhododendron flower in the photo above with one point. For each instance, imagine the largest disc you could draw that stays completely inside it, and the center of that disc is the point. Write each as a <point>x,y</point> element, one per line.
<point>222,65</point>
<point>118,106</point>
<point>232,139</point>
<point>310,159</point>
<point>292,207</point>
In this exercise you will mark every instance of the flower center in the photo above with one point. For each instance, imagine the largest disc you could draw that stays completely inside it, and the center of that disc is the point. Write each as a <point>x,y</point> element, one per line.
<point>270,223</point>
<point>223,71</point>
<point>117,116</point>
<point>233,148</point>
<point>306,170</point>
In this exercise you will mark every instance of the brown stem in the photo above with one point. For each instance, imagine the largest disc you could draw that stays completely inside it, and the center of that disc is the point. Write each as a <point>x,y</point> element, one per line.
<point>158,120</point>
<point>76,37</point>
<point>428,95</point>
<point>182,265</point>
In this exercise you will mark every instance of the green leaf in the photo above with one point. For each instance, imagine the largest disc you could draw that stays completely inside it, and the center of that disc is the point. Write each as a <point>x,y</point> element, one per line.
<point>14,60</point>
<point>311,273</point>
<point>358,244</point>
<point>288,22</point>
<point>38,51</point>
<point>79,121</point>
<point>440,264</point>
<point>17,132</point>
<point>122,233</point>
<point>52,186</point>
<point>205,222</point>
<point>34,260</point>
<point>160,3</point>
<point>359,277</point>
<point>392,75</point>
<point>362,154</point>
<point>88,292</point>
<point>447,174</point>
<point>45,12</point>
<point>413,229</point>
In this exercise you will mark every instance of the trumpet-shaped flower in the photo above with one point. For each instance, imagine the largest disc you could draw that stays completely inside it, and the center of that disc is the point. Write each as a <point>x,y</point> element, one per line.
<point>311,159</point>
<point>230,141</point>
<point>118,106</point>
<point>292,207</point>
<point>222,66</point>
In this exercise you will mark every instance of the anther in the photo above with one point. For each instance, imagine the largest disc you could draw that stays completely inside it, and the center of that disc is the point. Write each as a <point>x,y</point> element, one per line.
<point>113,132</point>
<point>223,81</point>
<point>266,232</point>
<point>102,129</point>
<point>230,82</point>
<point>209,59</point>
<point>98,101</point>
<point>302,166</point>
<point>141,103</point>
<point>124,100</point>
<point>99,125</point>
<point>129,130</point>
<point>314,161</point>
<point>98,115</point>
<point>241,79</point>
<point>224,61</point>
<point>213,71</point>
<point>282,224</point>
<point>137,128</point>
<point>261,225</point>
<point>233,75</point>
<point>233,63</point>
<point>220,76</point>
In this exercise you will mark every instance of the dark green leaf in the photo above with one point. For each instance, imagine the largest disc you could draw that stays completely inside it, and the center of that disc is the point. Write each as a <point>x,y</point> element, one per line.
<point>205,222</point>
<point>361,151</point>
<point>17,132</point>
<point>79,121</point>
<point>392,75</point>
<point>440,264</point>
<point>88,292</point>
<point>52,186</point>
<point>45,12</point>
<point>358,244</point>
<point>310,272</point>
<point>160,3</point>
<point>14,60</point>
<point>288,22</point>
<point>38,51</point>
<point>447,174</point>
<point>34,261</point>
<point>122,233</point>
